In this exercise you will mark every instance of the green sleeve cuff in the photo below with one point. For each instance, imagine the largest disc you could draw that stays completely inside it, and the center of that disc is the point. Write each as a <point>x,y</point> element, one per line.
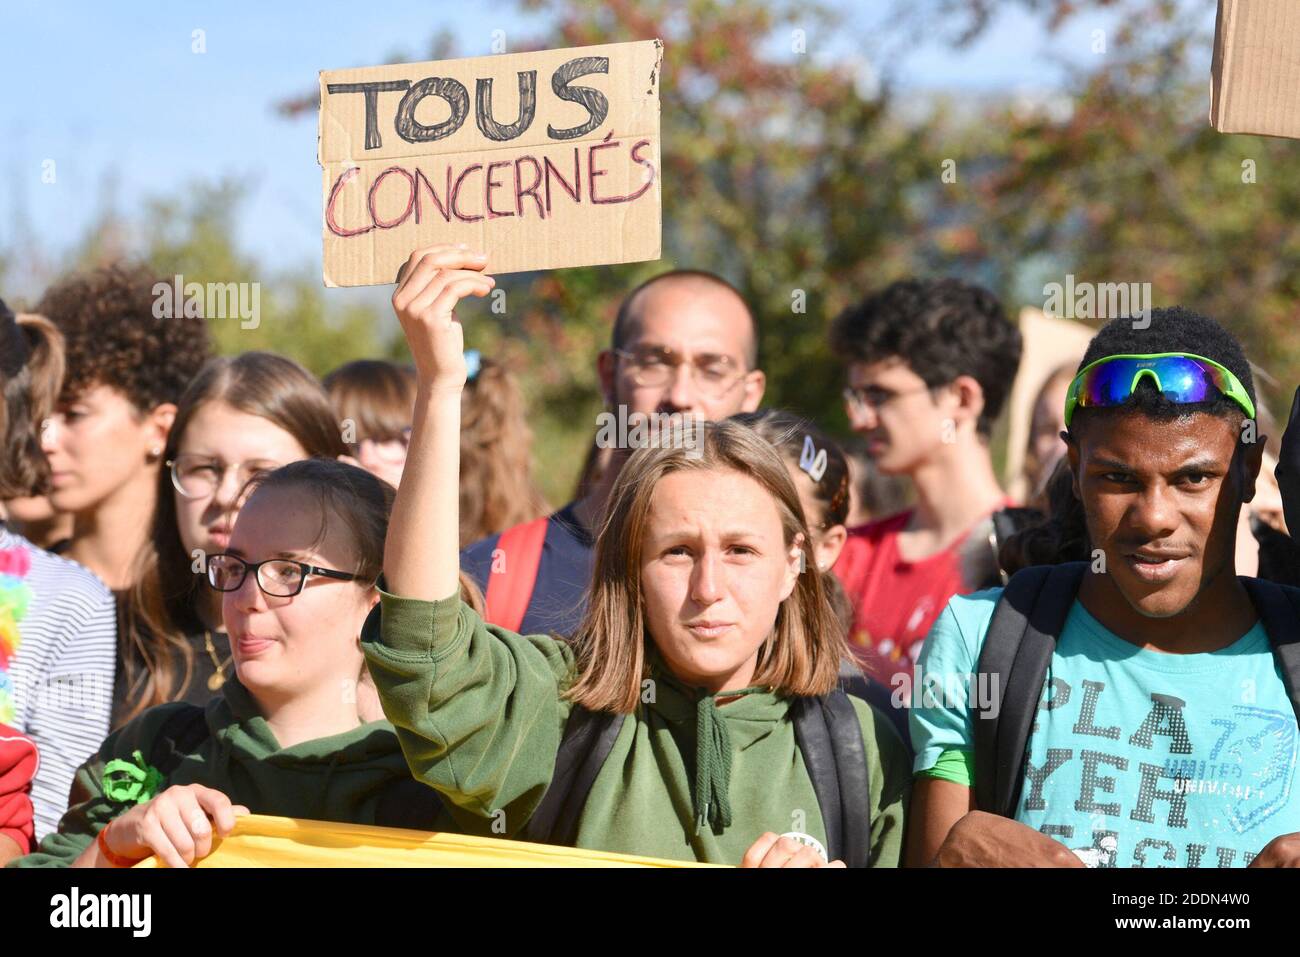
<point>955,766</point>
<point>410,626</point>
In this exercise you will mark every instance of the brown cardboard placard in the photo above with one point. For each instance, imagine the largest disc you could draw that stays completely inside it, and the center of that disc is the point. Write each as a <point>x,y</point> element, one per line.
<point>1049,342</point>
<point>542,160</point>
<point>1256,71</point>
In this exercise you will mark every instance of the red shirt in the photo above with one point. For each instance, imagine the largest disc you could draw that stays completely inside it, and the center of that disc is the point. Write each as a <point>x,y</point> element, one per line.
<point>18,763</point>
<point>894,601</point>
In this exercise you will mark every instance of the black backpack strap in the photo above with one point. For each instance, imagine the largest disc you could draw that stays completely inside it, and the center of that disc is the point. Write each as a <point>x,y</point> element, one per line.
<point>1016,654</point>
<point>829,736</point>
<point>850,754</point>
<point>180,736</point>
<point>588,738</point>
<point>813,736</point>
<point>1001,644</point>
<point>1279,609</point>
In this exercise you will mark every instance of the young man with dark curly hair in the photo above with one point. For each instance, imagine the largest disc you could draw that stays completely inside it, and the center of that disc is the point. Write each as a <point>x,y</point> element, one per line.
<point>126,369</point>
<point>1144,712</point>
<point>931,364</point>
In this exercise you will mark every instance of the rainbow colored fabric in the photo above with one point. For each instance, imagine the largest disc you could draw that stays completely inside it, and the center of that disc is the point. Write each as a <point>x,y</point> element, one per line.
<point>15,596</point>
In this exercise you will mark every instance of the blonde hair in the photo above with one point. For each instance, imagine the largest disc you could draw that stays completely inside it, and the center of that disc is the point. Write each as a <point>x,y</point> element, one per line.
<point>496,468</point>
<point>801,655</point>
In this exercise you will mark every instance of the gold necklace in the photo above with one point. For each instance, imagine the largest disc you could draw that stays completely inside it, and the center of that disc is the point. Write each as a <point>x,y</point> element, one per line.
<point>218,677</point>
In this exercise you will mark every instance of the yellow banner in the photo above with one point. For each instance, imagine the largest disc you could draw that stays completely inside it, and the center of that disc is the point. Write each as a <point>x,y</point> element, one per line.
<point>260,841</point>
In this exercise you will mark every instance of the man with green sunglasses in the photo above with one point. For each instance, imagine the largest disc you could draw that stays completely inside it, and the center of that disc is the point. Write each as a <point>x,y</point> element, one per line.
<point>1180,377</point>
<point>1145,709</point>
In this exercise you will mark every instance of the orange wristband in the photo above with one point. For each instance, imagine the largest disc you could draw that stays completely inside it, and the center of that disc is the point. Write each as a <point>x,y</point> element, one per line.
<point>117,860</point>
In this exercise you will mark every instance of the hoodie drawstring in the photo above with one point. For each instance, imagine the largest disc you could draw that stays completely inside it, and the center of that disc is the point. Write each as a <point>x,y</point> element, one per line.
<point>712,767</point>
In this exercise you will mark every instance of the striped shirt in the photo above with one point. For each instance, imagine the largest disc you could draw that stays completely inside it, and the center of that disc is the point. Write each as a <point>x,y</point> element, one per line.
<point>62,673</point>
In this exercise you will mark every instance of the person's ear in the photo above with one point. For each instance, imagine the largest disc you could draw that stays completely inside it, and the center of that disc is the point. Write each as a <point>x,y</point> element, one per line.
<point>829,548</point>
<point>158,424</point>
<point>755,386</point>
<point>794,567</point>
<point>371,602</point>
<point>606,370</point>
<point>969,399</point>
<point>1252,460</point>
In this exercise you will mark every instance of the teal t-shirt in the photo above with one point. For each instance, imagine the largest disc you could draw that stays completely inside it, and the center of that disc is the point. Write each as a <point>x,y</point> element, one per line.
<point>1137,758</point>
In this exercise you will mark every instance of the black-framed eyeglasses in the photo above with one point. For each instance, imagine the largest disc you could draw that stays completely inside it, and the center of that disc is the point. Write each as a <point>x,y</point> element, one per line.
<point>653,367</point>
<point>197,476</point>
<point>277,577</point>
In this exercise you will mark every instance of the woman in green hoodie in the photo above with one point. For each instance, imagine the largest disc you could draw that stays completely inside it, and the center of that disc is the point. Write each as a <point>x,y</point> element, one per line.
<point>708,624</point>
<point>291,734</point>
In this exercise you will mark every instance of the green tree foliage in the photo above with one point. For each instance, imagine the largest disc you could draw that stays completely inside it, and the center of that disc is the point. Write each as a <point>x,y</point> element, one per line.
<point>781,175</point>
<point>192,236</point>
<point>787,171</point>
<point>777,174</point>
<point>1133,185</point>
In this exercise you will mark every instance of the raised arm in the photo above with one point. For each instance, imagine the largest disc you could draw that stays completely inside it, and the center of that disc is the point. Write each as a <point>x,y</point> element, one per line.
<point>421,556</point>
<point>478,710</point>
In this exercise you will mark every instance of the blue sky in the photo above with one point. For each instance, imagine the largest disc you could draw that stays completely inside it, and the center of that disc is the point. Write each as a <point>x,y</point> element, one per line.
<point>114,95</point>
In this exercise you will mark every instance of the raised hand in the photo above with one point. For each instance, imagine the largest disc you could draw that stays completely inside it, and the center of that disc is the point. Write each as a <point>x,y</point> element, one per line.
<point>422,554</point>
<point>433,281</point>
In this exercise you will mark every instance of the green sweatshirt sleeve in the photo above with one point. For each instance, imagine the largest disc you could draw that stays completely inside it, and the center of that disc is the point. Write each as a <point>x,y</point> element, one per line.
<point>477,708</point>
<point>90,810</point>
<point>891,778</point>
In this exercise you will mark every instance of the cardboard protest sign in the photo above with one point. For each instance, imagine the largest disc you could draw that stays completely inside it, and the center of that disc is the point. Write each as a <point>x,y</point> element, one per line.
<point>1049,342</point>
<point>1256,70</point>
<point>543,160</point>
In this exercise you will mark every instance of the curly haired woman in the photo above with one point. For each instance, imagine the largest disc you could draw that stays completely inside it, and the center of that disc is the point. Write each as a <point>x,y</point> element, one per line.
<point>126,370</point>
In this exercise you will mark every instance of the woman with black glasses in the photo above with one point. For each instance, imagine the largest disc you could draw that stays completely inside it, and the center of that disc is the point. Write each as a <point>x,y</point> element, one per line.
<point>290,733</point>
<point>241,417</point>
